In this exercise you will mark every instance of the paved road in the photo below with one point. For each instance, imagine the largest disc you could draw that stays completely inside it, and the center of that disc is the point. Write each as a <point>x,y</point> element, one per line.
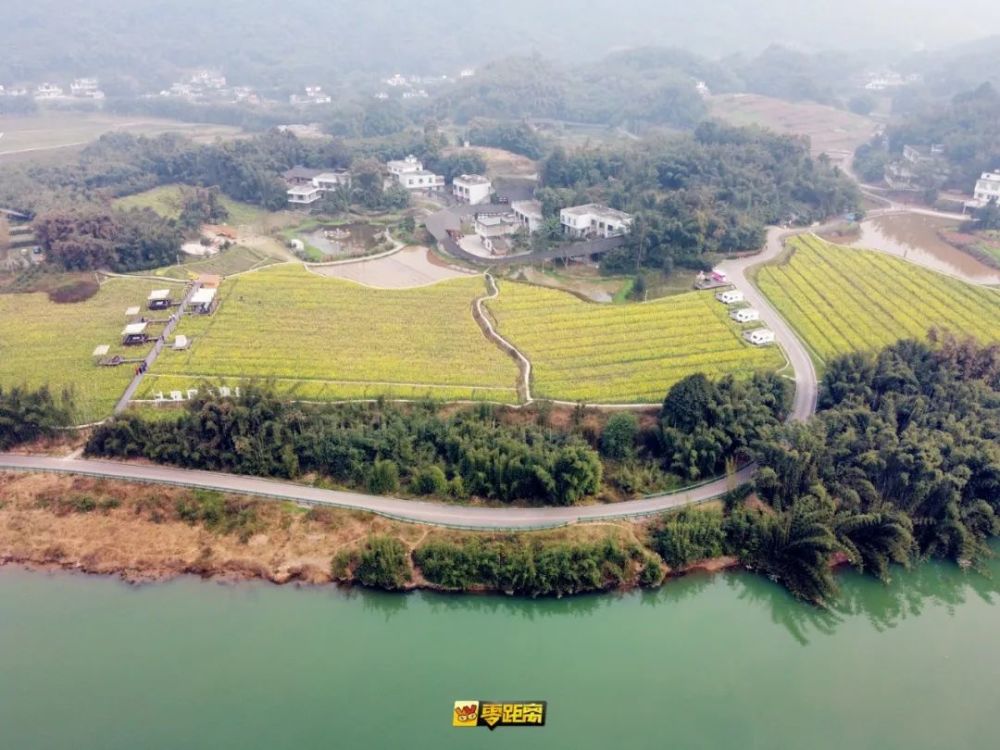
<point>806,384</point>
<point>438,514</point>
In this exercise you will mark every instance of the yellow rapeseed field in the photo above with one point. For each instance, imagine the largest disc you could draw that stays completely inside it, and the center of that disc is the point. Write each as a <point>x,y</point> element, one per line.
<point>46,343</point>
<point>842,299</point>
<point>622,353</point>
<point>325,339</point>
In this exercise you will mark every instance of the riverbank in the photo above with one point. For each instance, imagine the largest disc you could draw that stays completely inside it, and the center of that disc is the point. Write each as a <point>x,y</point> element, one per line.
<point>142,534</point>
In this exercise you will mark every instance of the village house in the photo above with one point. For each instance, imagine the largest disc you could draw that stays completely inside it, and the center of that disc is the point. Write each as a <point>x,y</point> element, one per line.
<point>987,189</point>
<point>472,189</point>
<point>745,315</point>
<point>594,220</point>
<point>86,88</point>
<point>759,336</point>
<point>306,186</point>
<point>494,228</point>
<point>203,301</point>
<point>528,214</point>
<point>411,174</point>
<point>48,91</point>
<point>304,195</point>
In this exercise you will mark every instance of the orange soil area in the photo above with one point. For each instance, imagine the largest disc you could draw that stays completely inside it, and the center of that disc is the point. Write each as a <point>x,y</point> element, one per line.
<point>136,532</point>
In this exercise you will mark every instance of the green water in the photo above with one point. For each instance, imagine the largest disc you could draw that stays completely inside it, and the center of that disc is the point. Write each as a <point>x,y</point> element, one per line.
<point>707,662</point>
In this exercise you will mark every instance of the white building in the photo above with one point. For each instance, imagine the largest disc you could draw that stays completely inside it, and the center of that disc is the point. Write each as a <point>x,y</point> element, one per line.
<point>467,73</point>
<point>759,336</point>
<point>472,189</point>
<point>399,167</point>
<point>495,225</point>
<point>304,195</point>
<point>86,88</point>
<point>421,180</point>
<point>594,220</point>
<point>332,180</point>
<point>528,214</point>
<point>411,174</point>
<point>987,189</point>
<point>396,80</point>
<point>745,315</point>
<point>730,296</point>
<point>48,91</point>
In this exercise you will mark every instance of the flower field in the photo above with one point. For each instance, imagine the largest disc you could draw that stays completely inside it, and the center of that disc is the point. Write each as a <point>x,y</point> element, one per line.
<point>45,343</point>
<point>841,299</point>
<point>622,353</point>
<point>325,339</point>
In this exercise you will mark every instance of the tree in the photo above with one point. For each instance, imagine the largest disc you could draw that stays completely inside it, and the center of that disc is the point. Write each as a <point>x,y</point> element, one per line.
<point>430,481</point>
<point>689,403</point>
<point>27,415</point>
<point>384,477</point>
<point>384,563</point>
<point>619,436</point>
<point>874,540</point>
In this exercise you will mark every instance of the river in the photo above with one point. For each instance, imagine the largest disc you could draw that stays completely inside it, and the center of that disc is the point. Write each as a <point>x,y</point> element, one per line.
<point>915,237</point>
<point>726,661</point>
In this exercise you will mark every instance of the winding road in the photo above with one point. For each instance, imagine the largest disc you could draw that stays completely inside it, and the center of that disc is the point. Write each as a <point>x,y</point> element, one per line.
<point>470,517</point>
<point>437,514</point>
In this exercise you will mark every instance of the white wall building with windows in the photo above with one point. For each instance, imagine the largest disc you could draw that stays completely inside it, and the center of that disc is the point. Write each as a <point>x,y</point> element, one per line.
<point>472,189</point>
<point>594,220</point>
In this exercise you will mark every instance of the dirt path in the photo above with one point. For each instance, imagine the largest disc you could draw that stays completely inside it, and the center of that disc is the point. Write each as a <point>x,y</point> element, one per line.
<point>523,363</point>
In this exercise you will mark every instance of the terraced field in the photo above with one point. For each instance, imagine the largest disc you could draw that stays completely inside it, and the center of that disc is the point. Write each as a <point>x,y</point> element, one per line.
<point>841,299</point>
<point>45,343</point>
<point>326,339</point>
<point>622,353</point>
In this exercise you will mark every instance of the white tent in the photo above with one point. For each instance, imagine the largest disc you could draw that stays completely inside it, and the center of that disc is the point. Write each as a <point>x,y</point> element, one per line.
<point>158,294</point>
<point>181,342</point>
<point>134,329</point>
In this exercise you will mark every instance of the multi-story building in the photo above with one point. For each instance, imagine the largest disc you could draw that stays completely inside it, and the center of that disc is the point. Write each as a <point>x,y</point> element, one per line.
<point>472,188</point>
<point>594,220</point>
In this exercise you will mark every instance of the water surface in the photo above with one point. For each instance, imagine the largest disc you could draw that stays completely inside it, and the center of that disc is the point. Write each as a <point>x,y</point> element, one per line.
<point>706,662</point>
<point>915,238</point>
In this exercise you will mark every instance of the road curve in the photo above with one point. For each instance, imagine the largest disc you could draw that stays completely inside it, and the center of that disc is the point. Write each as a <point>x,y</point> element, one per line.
<point>806,382</point>
<point>437,514</point>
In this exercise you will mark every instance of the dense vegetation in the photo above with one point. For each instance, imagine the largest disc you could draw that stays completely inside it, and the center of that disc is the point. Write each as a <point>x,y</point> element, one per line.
<point>965,125</point>
<point>120,164</point>
<point>27,415</point>
<point>713,191</point>
<point>519,565</point>
<point>901,463</point>
<point>469,453</point>
<point>120,240</point>
<point>377,448</point>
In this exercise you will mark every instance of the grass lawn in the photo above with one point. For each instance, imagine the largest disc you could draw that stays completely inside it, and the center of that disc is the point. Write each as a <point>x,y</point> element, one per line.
<point>842,299</point>
<point>326,339</point>
<point>45,343</point>
<point>628,353</point>
<point>165,200</point>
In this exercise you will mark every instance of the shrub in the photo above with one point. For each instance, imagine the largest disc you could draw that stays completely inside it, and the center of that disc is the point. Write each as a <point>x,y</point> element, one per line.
<point>75,291</point>
<point>383,563</point>
<point>430,481</point>
<point>384,477</point>
<point>689,536</point>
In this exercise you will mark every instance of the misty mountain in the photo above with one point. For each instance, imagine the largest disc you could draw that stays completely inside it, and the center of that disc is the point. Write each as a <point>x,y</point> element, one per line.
<point>269,42</point>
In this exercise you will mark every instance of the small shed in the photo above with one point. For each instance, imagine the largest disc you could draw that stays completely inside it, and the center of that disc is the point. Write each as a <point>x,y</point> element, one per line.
<point>134,334</point>
<point>730,296</point>
<point>203,301</point>
<point>159,299</point>
<point>745,315</point>
<point>759,336</point>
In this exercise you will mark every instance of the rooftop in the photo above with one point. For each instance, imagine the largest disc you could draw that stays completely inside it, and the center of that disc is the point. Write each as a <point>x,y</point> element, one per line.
<point>303,190</point>
<point>597,209</point>
<point>301,173</point>
<point>159,294</point>
<point>134,328</point>
<point>472,179</point>
<point>203,296</point>
<point>528,208</point>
